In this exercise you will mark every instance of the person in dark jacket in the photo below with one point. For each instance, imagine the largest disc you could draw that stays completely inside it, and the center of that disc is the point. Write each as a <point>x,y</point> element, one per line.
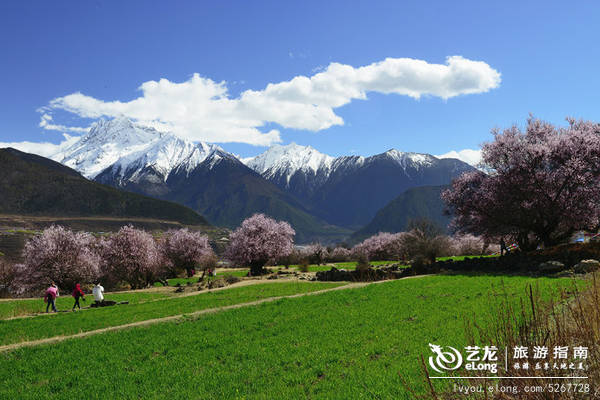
<point>77,294</point>
<point>503,248</point>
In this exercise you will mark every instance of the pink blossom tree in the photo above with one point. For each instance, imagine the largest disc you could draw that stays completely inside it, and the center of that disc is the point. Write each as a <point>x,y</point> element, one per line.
<point>185,250</point>
<point>258,240</point>
<point>58,255</point>
<point>131,255</point>
<point>382,246</point>
<point>541,185</point>
<point>468,245</point>
<point>316,253</point>
<point>340,254</point>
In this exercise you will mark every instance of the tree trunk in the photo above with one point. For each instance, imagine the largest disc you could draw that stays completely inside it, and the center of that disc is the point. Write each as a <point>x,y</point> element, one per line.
<point>257,268</point>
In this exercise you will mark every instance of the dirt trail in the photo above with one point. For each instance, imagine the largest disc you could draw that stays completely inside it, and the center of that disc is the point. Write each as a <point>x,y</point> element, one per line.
<point>194,314</point>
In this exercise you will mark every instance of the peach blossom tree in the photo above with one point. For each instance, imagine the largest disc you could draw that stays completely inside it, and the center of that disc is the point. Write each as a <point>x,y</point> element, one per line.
<point>258,240</point>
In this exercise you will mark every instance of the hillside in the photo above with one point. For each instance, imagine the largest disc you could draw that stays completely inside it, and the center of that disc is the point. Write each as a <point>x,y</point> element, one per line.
<point>227,192</point>
<point>34,185</point>
<point>420,202</point>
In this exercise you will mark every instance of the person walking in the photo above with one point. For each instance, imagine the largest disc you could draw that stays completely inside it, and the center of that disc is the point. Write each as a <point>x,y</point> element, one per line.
<point>78,294</point>
<point>50,297</point>
<point>98,292</point>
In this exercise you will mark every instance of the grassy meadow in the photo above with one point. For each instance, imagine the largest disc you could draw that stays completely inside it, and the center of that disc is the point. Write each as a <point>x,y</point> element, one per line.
<point>44,326</point>
<point>20,307</point>
<point>352,343</point>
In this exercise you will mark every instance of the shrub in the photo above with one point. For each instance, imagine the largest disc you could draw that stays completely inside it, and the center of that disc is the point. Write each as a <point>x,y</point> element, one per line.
<point>362,262</point>
<point>231,279</point>
<point>426,240</point>
<point>304,266</point>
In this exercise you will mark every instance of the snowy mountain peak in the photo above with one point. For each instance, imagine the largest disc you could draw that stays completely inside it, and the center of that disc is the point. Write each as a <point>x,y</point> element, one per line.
<point>120,130</point>
<point>288,159</point>
<point>406,158</point>
<point>127,147</point>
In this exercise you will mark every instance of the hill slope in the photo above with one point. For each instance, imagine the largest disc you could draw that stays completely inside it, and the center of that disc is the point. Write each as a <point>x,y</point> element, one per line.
<point>34,185</point>
<point>419,202</point>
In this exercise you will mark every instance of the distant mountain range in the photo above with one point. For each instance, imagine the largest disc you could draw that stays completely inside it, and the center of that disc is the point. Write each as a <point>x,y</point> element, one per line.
<point>348,191</point>
<point>322,197</point>
<point>34,185</point>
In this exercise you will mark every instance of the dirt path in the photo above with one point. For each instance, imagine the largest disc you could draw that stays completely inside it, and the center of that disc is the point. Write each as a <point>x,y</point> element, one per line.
<point>198,313</point>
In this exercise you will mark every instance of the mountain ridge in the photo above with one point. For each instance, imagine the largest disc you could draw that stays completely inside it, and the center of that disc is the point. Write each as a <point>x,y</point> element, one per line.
<point>35,185</point>
<point>323,196</point>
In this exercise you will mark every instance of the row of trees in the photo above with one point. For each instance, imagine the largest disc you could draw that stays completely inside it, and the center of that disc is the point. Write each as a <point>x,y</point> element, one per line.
<point>423,240</point>
<point>135,257</point>
<point>261,241</point>
<point>130,255</point>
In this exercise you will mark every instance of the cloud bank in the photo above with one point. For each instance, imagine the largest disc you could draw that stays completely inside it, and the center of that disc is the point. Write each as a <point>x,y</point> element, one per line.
<point>201,109</point>
<point>43,149</point>
<point>472,157</point>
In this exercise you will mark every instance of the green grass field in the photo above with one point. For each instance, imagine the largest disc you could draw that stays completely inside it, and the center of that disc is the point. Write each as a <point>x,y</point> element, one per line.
<point>43,326</point>
<point>15,308</point>
<point>343,344</point>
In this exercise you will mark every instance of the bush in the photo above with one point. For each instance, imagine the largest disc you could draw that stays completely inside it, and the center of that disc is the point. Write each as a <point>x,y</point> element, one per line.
<point>303,267</point>
<point>231,279</point>
<point>362,262</point>
<point>425,239</point>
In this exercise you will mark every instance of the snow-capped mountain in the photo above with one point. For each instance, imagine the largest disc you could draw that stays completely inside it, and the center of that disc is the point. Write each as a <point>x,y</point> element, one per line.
<point>123,149</point>
<point>285,161</point>
<point>281,163</point>
<point>315,192</point>
<point>349,190</point>
<point>202,176</point>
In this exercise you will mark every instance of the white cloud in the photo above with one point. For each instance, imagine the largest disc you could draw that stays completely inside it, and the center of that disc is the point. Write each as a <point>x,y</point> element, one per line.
<point>201,109</point>
<point>43,149</point>
<point>46,123</point>
<point>472,157</point>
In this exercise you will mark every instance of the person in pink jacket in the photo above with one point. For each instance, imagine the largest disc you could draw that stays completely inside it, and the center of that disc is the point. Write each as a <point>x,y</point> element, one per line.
<point>50,297</point>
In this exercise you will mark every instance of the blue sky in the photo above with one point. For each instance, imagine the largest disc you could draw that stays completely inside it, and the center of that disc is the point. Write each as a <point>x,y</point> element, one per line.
<point>547,54</point>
